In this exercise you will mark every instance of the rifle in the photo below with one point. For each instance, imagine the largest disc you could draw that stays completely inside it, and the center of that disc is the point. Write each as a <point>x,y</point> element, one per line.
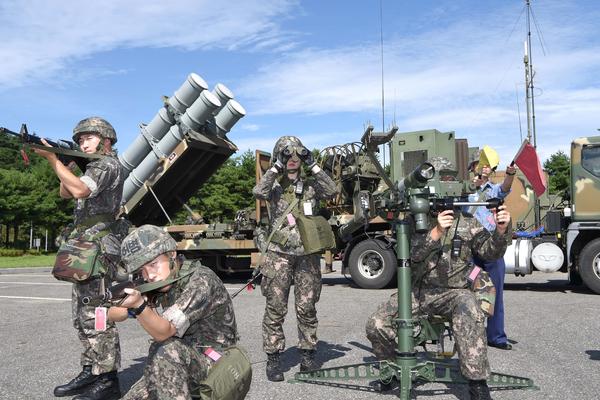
<point>66,150</point>
<point>255,274</point>
<point>114,292</point>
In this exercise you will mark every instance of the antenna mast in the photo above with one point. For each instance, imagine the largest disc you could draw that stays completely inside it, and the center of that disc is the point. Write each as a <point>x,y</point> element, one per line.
<point>382,87</point>
<point>529,98</point>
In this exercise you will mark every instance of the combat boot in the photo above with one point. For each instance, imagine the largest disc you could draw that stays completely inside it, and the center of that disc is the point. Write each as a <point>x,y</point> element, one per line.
<point>78,384</point>
<point>106,387</point>
<point>307,360</point>
<point>274,373</point>
<point>479,390</point>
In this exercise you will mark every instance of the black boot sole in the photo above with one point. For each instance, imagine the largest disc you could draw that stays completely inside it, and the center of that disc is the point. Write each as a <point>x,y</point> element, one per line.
<point>73,392</point>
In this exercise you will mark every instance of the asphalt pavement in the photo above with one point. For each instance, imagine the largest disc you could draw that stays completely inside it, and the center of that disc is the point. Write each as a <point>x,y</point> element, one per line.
<point>553,327</point>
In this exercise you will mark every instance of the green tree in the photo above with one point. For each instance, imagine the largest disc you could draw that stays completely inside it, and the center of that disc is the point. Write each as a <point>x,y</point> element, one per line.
<point>558,167</point>
<point>226,192</point>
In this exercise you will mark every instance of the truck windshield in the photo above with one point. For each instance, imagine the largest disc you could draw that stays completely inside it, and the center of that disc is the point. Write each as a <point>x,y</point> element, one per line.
<point>590,159</point>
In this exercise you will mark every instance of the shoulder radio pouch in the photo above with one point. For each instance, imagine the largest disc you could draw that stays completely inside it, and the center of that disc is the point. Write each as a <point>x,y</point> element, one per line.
<point>229,378</point>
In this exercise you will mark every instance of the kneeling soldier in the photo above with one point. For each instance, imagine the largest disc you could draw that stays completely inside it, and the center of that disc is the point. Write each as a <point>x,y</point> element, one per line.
<point>196,324</point>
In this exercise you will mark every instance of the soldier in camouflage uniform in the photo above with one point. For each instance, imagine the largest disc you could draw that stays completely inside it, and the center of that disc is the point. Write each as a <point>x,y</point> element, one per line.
<point>440,287</point>
<point>98,196</point>
<point>196,321</point>
<point>286,261</point>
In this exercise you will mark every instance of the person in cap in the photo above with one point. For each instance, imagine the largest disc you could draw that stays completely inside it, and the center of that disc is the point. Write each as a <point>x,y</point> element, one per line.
<point>97,194</point>
<point>495,330</point>
<point>195,326</point>
<point>289,196</point>
<point>440,287</point>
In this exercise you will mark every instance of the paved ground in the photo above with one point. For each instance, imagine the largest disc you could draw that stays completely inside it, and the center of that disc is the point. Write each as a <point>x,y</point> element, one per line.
<point>555,328</point>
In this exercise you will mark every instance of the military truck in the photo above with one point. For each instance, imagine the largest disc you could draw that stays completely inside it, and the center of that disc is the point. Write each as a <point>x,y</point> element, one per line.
<point>570,240</point>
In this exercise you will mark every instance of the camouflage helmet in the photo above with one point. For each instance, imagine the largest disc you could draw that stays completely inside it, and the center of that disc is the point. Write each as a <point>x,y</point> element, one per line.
<point>97,125</point>
<point>474,159</point>
<point>145,244</point>
<point>284,142</point>
<point>441,163</point>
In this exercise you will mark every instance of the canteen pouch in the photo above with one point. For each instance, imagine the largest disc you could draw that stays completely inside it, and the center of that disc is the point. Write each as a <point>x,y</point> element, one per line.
<point>77,261</point>
<point>229,378</point>
<point>315,232</point>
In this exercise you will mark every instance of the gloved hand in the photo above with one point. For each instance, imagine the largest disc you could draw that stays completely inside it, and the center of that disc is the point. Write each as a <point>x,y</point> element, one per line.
<point>307,157</point>
<point>281,160</point>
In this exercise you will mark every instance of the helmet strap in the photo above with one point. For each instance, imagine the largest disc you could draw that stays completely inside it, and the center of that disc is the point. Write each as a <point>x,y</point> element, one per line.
<point>174,267</point>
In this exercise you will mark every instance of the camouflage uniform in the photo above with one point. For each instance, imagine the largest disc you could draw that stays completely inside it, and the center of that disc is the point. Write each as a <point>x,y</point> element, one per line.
<point>201,310</point>
<point>103,177</point>
<point>286,262</point>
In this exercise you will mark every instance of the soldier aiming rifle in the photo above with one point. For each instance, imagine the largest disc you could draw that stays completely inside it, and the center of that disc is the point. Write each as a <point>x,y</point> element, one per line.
<point>89,255</point>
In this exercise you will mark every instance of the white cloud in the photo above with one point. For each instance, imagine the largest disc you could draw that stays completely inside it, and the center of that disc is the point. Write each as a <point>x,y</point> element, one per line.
<point>40,37</point>
<point>249,127</point>
<point>461,76</point>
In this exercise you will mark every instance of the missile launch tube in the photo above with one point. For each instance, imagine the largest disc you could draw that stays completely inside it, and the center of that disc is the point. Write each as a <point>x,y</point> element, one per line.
<point>229,116</point>
<point>199,111</point>
<point>187,93</point>
<point>183,97</point>
<point>223,94</point>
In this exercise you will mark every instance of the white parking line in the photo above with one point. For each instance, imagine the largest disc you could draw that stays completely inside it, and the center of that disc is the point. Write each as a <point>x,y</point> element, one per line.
<point>38,283</point>
<point>44,275</point>
<point>34,298</point>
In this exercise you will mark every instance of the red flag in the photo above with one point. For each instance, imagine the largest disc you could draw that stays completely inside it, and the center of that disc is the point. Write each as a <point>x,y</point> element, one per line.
<point>527,160</point>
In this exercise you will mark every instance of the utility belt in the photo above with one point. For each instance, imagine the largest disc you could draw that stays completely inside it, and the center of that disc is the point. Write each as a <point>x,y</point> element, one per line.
<point>93,220</point>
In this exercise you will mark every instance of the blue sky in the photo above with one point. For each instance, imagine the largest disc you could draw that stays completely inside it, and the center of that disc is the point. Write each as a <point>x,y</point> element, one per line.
<point>306,68</point>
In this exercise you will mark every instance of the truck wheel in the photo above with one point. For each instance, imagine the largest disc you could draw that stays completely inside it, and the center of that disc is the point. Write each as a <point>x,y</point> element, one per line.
<point>372,265</point>
<point>589,265</point>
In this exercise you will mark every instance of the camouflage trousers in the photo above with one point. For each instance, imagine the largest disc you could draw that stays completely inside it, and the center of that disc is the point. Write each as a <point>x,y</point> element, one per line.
<point>101,350</point>
<point>172,371</point>
<point>458,305</point>
<point>279,272</point>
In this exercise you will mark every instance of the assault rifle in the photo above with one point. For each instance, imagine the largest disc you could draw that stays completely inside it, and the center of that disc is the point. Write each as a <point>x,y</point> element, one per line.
<point>66,150</point>
<point>114,292</point>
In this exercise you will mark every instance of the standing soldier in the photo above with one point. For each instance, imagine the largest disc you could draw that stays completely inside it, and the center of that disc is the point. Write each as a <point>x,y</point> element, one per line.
<point>98,196</point>
<point>196,326</point>
<point>291,197</point>
<point>440,287</point>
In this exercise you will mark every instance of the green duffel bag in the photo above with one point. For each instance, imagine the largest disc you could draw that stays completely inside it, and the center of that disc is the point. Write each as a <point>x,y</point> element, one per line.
<point>77,261</point>
<point>315,232</point>
<point>228,379</point>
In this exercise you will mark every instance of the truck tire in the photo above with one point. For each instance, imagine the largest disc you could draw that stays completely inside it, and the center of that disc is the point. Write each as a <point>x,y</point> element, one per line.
<point>372,264</point>
<point>589,265</point>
